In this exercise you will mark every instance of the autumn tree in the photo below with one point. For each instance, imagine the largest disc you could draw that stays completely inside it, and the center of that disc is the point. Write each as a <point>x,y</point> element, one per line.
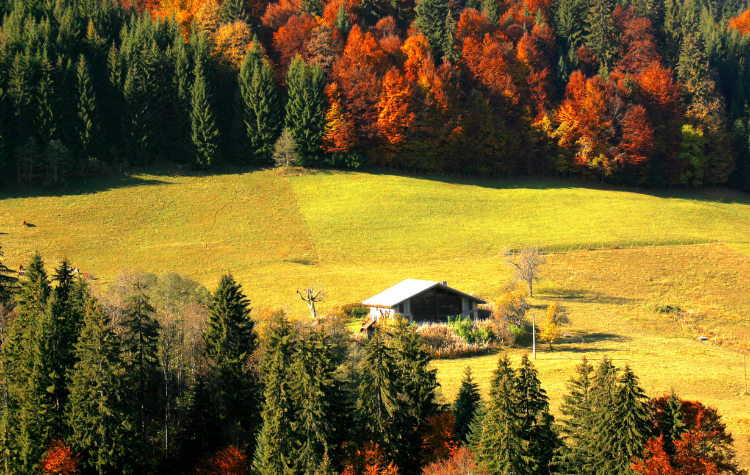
<point>555,317</point>
<point>526,265</point>
<point>60,460</point>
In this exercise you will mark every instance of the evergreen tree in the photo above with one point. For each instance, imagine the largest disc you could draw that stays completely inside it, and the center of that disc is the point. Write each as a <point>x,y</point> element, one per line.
<point>378,396</point>
<point>318,397</point>
<point>431,19</point>
<point>274,454</point>
<point>4,155</point>
<point>498,439</point>
<point>140,334</point>
<point>46,116</point>
<point>313,7</point>
<point>693,70</point>
<point>180,127</point>
<point>232,10</point>
<point>673,424</point>
<point>305,111</point>
<point>137,130</point>
<point>630,417</point>
<point>603,433</point>
<point>230,341</point>
<point>205,134</point>
<point>492,10</point>
<point>262,112</point>
<point>537,422</point>
<point>466,405</point>
<point>570,25</point>
<point>577,424</point>
<point>601,33</point>
<point>343,22</point>
<point>88,126</point>
<point>100,421</point>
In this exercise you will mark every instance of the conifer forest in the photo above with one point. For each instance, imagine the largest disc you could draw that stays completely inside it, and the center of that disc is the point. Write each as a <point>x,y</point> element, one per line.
<point>158,375</point>
<point>642,92</point>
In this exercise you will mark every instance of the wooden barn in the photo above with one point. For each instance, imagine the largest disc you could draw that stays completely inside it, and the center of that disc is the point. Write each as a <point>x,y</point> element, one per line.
<point>421,301</point>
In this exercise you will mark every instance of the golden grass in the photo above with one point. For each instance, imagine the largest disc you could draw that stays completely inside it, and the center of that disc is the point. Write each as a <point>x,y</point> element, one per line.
<point>354,234</point>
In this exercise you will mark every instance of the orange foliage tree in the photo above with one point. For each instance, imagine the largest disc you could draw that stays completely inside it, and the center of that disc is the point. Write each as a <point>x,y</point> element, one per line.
<point>369,460</point>
<point>460,462</point>
<point>741,23</point>
<point>59,460</point>
<point>228,461</point>
<point>439,437</point>
<point>292,38</point>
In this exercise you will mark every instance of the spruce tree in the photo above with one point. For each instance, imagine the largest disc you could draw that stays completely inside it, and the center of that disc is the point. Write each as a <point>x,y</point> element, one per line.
<point>318,397</point>
<point>274,454</point>
<point>99,418</point>
<point>570,25</point>
<point>577,424</point>
<point>88,125</point>
<point>378,396</point>
<point>180,128</point>
<point>630,416</point>
<point>343,23</point>
<point>205,134</point>
<point>601,33</point>
<point>230,341</point>
<point>603,433</point>
<point>536,419</point>
<point>466,405</point>
<point>492,9</point>
<point>431,16</point>
<point>498,441</point>
<point>313,7</point>
<point>231,11</point>
<point>305,111</point>
<point>4,162</point>
<point>673,423</point>
<point>46,114</point>
<point>140,334</point>
<point>262,111</point>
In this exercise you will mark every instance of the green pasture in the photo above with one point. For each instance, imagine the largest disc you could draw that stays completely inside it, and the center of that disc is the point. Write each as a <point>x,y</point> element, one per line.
<point>618,256</point>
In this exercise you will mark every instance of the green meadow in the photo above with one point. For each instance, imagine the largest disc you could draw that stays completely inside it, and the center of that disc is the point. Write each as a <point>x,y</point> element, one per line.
<point>617,256</point>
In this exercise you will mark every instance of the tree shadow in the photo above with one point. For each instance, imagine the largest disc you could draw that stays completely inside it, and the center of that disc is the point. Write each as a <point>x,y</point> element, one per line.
<point>718,194</point>
<point>82,187</point>
<point>580,295</point>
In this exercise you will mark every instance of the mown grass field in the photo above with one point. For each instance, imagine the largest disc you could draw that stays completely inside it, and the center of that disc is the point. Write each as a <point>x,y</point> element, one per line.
<point>617,256</point>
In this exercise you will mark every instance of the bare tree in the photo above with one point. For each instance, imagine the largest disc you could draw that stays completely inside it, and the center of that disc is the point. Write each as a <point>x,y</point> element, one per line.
<point>285,151</point>
<point>310,297</point>
<point>527,264</point>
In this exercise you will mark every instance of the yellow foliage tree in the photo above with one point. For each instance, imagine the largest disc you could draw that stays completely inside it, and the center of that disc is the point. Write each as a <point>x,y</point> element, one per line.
<point>231,43</point>
<point>551,327</point>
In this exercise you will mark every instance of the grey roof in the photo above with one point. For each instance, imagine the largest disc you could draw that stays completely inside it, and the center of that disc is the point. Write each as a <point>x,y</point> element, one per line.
<point>408,289</point>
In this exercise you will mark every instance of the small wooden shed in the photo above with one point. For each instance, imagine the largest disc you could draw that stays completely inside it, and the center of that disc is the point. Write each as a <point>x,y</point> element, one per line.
<point>421,301</point>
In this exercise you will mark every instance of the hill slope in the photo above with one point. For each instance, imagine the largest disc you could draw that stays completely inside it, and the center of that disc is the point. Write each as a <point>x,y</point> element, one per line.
<point>354,234</point>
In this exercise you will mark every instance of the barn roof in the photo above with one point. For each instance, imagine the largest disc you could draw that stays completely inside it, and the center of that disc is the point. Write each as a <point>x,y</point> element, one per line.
<point>408,289</point>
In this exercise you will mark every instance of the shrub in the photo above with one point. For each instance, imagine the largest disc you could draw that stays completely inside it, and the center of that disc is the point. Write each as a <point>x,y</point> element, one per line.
<point>353,310</point>
<point>518,332</point>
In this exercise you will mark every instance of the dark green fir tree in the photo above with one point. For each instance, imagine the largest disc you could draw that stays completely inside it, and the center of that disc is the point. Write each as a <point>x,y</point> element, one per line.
<point>232,10</point>
<point>343,22</point>
<point>305,110</point>
<point>8,281</point>
<point>631,416</point>
<point>205,133</point>
<point>274,454</point>
<point>602,35</point>
<point>536,419</point>
<point>89,122</point>
<point>466,405</point>
<point>575,456</point>
<point>431,19</point>
<point>498,439</point>
<point>102,427</point>
<point>262,110</point>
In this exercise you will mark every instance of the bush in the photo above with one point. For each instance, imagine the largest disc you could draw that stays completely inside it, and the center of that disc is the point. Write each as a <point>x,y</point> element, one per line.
<point>519,333</point>
<point>353,310</point>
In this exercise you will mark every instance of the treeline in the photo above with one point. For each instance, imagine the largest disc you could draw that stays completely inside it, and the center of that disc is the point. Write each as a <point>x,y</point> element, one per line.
<point>157,375</point>
<point>651,92</point>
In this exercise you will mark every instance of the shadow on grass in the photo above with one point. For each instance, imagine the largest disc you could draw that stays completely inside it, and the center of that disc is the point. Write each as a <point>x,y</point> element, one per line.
<point>711,195</point>
<point>578,295</point>
<point>83,187</point>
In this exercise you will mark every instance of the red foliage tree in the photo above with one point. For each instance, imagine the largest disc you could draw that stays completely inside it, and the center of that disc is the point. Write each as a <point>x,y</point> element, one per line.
<point>637,141</point>
<point>638,47</point>
<point>369,460</point>
<point>656,461</point>
<point>278,14</point>
<point>658,86</point>
<point>339,134</point>
<point>439,437</point>
<point>228,461</point>
<point>59,460</point>
<point>292,38</point>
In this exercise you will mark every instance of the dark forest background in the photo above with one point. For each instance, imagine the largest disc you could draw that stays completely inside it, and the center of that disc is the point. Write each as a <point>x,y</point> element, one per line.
<point>644,92</point>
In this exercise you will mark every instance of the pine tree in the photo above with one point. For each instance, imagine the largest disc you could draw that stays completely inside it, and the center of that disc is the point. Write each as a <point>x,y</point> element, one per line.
<point>498,439</point>
<point>630,416</point>
<point>466,405</point>
<point>230,341</point>
<point>673,423</point>
<point>46,116</point>
<point>536,419</point>
<point>431,16</point>
<point>601,33</point>
<point>577,424</point>
<point>98,415</point>
<point>274,454</point>
<point>262,112</point>
<point>137,119</point>
<point>140,334</point>
<point>180,128</point>
<point>313,7</point>
<point>693,70</point>
<point>205,134</point>
<point>570,24</point>
<point>88,126</point>
<point>378,395</point>
<point>305,111</point>
<point>4,155</point>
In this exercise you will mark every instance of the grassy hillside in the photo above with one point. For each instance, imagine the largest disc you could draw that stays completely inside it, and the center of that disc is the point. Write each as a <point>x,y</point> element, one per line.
<point>354,234</point>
